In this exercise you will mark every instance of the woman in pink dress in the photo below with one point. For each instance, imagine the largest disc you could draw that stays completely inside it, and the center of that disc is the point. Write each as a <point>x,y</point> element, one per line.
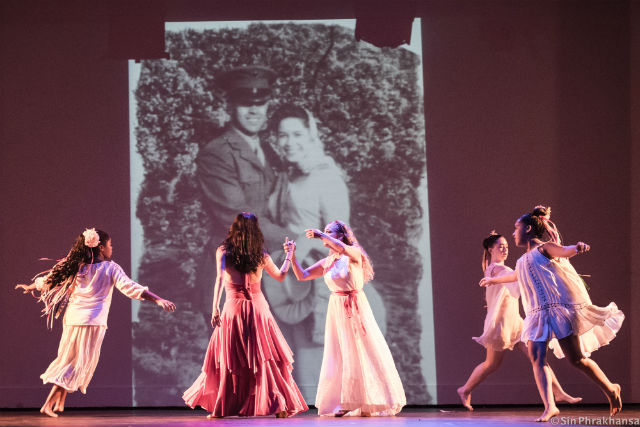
<point>559,312</point>
<point>248,364</point>
<point>82,282</point>
<point>358,376</point>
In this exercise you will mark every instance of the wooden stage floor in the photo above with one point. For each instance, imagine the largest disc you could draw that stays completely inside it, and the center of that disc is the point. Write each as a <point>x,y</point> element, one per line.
<point>409,417</point>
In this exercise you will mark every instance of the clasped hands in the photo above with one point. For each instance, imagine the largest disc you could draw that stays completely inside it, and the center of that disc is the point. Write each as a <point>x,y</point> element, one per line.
<point>289,246</point>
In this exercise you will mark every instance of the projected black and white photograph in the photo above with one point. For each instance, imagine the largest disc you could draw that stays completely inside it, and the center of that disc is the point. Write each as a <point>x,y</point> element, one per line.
<point>302,125</point>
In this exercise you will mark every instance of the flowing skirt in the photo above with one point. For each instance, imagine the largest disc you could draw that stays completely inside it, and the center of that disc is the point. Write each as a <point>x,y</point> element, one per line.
<point>358,373</point>
<point>503,324</point>
<point>78,355</point>
<point>593,325</point>
<point>248,364</point>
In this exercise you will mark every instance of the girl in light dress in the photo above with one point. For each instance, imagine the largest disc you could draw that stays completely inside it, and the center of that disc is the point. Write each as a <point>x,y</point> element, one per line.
<point>247,366</point>
<point>358,375</point>
<point>503,324</point>
<point>559,312</point>
<point>310,191</point>
<point>83,282</point>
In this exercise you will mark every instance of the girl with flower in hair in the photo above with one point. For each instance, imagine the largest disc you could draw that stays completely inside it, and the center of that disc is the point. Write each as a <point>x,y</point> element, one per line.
<point>247,366</point>
<point>358,375</point>
<point>82,283</point>
<point>559,312</point>
<point>503,324</point>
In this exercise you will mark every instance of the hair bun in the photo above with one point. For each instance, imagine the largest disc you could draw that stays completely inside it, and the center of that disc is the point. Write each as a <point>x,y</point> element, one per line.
<point>541,211</point>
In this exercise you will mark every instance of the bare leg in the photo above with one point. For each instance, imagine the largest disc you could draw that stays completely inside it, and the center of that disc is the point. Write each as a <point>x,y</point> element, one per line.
<point>571,348</point>
<point>51,399</point>
<point>558,392</point>
<point>479,374</point>
<point>59,404</point>
<point>542,374</point>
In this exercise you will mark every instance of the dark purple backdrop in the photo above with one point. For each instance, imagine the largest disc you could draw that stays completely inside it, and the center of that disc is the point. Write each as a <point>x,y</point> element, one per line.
<point>526,103</point>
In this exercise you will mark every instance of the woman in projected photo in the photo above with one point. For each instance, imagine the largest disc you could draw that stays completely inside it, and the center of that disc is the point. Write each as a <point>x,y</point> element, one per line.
<point>247,366</point>
<point>358,376</point>
<point>309,192</point>
<point>82,282</point>
<point>503,324</point>
<point>559,312</point>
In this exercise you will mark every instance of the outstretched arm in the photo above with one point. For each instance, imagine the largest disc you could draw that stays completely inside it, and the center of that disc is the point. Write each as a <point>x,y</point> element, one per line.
<point>313,272</point>
<point>166,305</point>
<point>353,252</point>
<point>557,251</point>
<point>488,281</point>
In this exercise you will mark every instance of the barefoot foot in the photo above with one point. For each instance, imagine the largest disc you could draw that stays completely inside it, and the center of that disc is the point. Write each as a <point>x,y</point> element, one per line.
<point>340,413</point>
<point>282,414</point>
<point>615,400</point>
<point>564,397</point>
<point>47,411</point>
<point>465,398</point>
<point>548,414</point>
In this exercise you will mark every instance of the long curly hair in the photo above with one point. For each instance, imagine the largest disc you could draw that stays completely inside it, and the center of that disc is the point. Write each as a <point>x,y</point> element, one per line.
<point>79,254</point>
<point>244,244</point>
<point>348,238</point>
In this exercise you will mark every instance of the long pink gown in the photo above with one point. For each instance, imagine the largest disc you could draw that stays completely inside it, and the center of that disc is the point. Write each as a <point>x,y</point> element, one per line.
<point>248,364</point>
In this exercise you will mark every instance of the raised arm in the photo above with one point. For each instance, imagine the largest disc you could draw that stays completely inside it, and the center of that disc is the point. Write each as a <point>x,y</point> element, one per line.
<point>353,252</point>
<point>557,251</point>
<point>272,270</point>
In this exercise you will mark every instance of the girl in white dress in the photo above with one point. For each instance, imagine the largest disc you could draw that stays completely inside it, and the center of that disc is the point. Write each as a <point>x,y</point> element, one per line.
<point>82,282</point>
<point>503,324</point>
<point>559,312</point>
<point>358,376</point>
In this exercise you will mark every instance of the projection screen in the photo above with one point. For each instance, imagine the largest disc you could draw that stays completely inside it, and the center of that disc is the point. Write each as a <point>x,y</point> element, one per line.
<point>368,103</point>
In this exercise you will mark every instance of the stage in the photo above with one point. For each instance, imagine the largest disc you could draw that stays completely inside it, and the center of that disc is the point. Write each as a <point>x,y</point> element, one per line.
<point>435,416</point>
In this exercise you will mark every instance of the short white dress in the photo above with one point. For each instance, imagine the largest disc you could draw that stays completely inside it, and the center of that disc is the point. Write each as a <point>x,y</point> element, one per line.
<point>503,324</point>
<point>85,323</point>
<point>358,373</point>
<point>557,304</point>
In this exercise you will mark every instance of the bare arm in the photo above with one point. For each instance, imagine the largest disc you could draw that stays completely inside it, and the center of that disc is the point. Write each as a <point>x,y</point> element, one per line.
<point>217,288</point>
<point>557,251</point>
<point>353,252</point>
<point>272,270</point>
<point>511,277</point>
<point>166,305</point>
<point>312,272</point>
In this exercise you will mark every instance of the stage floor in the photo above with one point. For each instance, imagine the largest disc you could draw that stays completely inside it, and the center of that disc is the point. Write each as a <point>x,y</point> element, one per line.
<point>441,416</point>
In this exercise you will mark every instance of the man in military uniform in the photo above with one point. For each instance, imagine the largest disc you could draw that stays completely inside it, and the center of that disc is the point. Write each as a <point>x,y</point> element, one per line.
<point>234,170</point>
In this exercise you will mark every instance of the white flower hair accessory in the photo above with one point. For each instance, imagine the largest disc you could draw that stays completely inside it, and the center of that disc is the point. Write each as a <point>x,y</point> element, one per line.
<point>91,237</point>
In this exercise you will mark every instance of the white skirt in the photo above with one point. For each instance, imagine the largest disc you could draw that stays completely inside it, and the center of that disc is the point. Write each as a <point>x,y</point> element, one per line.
<point>78,355</point>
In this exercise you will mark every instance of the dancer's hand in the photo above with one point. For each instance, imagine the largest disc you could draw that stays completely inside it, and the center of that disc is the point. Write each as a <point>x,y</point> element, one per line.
<point>215,318</point>
<point>582,247</point>
<point>486,282</point>
<point>166,305</point>
<point>289,246</point>
<point>314,233</point>
<point>26,288</point>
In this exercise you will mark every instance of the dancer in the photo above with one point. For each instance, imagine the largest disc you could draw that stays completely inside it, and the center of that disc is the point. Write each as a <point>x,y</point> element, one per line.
<point>503,324</point>
<point>82,281</point>
<point>559,312</point>
<point>247,366</point>
<point>358,375</point>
